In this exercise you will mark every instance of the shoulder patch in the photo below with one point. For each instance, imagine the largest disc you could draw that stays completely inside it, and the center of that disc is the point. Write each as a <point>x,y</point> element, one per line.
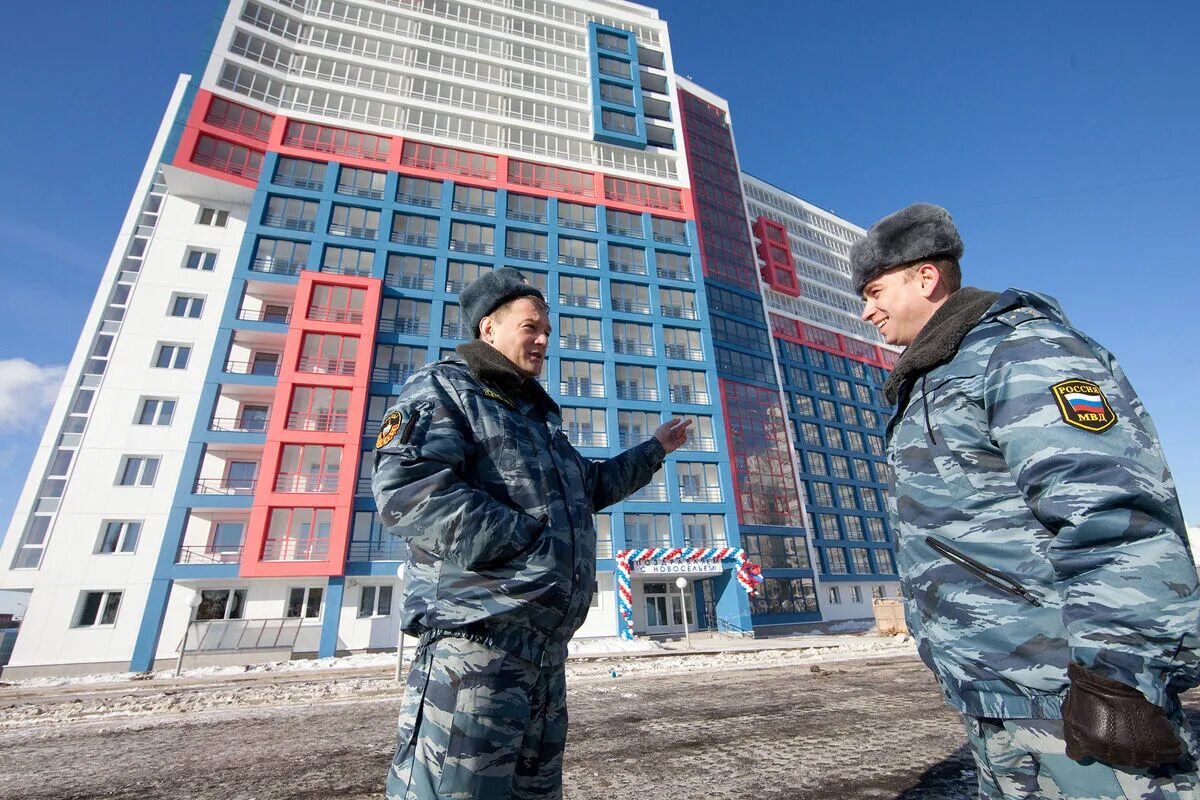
<point>388,430</point>
<point>492,393</point>
<point>1083,405</point>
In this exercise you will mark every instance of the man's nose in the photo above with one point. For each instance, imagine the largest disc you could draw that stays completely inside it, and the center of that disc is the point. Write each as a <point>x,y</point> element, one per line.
<point>868,310</point>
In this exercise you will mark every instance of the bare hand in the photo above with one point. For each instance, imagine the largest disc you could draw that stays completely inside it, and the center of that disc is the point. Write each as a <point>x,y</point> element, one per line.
<point>673,433</point>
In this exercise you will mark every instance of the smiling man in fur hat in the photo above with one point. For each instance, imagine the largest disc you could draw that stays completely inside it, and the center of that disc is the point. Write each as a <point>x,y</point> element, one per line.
<point>1039,536</point>
<point>473,470</point>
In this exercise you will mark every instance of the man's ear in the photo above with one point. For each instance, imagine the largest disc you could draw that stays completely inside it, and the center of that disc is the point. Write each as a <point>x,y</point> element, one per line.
<point>485,329</point>
<point>930,280</point>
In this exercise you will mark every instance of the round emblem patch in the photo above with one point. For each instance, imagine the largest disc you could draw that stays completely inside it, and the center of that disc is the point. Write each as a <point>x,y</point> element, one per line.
<point>389,429</point>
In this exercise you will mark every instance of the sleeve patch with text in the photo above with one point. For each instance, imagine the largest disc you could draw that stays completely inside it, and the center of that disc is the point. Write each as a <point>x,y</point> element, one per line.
<point>1083,405</point>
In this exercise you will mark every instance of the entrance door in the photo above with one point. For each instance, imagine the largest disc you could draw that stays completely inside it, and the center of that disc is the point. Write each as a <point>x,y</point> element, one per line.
<point>664,611</point>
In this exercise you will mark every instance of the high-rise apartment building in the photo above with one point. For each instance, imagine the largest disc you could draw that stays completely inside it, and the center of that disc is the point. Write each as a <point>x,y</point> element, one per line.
<point>309,211</point>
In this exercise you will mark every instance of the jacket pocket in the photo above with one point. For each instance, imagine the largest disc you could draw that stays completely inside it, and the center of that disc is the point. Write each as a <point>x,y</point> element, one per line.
<point>994,578</point>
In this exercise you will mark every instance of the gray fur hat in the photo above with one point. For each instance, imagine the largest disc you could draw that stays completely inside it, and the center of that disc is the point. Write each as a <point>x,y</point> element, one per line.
<point>921,230</point>
<point>488,292</point>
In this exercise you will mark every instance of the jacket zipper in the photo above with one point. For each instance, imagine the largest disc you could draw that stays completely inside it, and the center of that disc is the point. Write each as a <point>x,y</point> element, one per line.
<point>991,577</point>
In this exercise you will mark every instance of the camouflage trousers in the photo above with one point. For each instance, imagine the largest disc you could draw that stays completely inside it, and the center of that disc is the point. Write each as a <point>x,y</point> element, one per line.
<point>1026,759</point>
<point>479,723</point>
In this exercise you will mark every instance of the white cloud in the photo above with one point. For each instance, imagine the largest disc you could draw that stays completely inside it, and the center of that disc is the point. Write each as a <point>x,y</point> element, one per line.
<point>26,391</point>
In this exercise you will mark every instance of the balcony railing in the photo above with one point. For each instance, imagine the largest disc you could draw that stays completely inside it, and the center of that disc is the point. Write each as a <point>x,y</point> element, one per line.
<point>684,353</point>
<point>306,483</point>
<point>651,492</point>
<point>700,444</point>
<point>470,208</point>
<point>455,330</point>
<point>347,269</point>
<point>682,394</point>
<point>527,254</point>
<point>296,550</point>
<point>671,238</point>
<point>360,191</point>
<point>414,239</point>
<point>586,438</point>
<point>391,374</point>
<point>405,325</point>
<point>674,274</point>
<point>321,421</point>
<point>394,550</point>
<point>680,312</point>
<point>298,182</point>
<point>326,366</point>
<point>224,486</point>
<point>630,306</point>
<point>363,486</point>
<point>276,266</point>
<point>418,200</point>
<point>627,267</point>
<point>238,424</point>
<point>577,224</point>
<point>408,281</point>
<point>482,248</point>
<point>522,216</point>
<point>627,392</point>
<point>330,314</point>
<point>263,315</point>
<point>571,341</point>
<point>290,223</point>
<point>205,554</point>
<point>579,300</point>
<point>252,368</point>
<point>630,347</point>
<point>621,230</point>
<point>354,231</point>
<point>700,494</point>
<point>579,261</point>
<point>571,388</point>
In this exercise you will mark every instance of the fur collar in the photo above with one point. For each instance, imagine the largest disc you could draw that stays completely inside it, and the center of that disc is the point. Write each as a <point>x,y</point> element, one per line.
<point>938,341</point>
<point>491,366</point>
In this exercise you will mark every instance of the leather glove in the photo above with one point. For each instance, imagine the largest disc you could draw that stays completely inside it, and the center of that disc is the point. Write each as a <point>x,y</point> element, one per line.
<point>1114,723</point>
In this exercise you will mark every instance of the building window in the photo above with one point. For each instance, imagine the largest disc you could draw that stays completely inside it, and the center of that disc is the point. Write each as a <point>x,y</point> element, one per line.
<point>419,192</point>
<point>300,173</point>
<point>604,542</point>
<point>375,601</point>
<point>33,543</point>
<point>581,378</point>
<point>118,536</point>
<point>618,121</point>
<point>578,292</point>
<point>279,256</point>
<point>704,530</point>
<point>887,566</point>
<point>615,93</point>
<point>634,427</point>
<point>155,411</point>
<point>204,260</point>
<point>304,602</point>
<point>672,231</point>
<point>526,208</point>
<point>360,223</point>
<point>678,303</point>
<point>846,497</point>
<point>674,266</point>
<point>213,217</point>
<point>527,245</point>
<point>835,559</point>
<point>578,252</point>
<point>856,595</point>
<point>291,213</point>
<point>172,356</point>
<point>835,595</point>
<point>187,306</point>
<point>776,552</point>
<point>461,273</point>
<point>687,386</point>
<point>633,338</point>
<point>861,560</point>
<point>474,200</point>
<point>576,215</point>
<point>221,604</point>
<point>698,482</point>
<point>623,223</point>
<point>348,261</point>
<point>361,182</point>
<point>683,343</point>
<point>408,272</point>
<point>636,383</point>
<point>415,230</point>
<point>97,608</point>
<point>137,471</point>
<point>579,333</point>
<point>466,237</point>
<point>647,530</point>
<point>785,596</point>
<point>585,427</point>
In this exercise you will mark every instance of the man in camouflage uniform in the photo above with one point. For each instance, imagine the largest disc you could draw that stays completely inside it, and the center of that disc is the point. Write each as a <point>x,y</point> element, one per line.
<point>1041,544</point>
<point>473,470</point>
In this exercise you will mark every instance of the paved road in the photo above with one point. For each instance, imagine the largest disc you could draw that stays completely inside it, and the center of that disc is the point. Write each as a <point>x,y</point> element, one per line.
<point>839,731</point>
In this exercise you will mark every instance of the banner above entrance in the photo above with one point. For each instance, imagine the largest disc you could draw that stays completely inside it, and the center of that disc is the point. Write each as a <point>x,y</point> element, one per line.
<point>661,566</point>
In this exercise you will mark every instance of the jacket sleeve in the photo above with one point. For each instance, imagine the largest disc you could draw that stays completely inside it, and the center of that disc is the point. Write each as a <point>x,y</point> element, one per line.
<point>1126,580</point>
<point>612,480</point>
<point>420,490</point>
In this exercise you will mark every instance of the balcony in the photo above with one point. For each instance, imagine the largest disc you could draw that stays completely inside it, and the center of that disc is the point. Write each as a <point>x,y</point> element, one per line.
<point>238,424</point>
<point>630,347</point>
<point>579,261</point>
<point>577,224</point>
<point>224,486</point>
<point>414,239</point>
<point>684,353</point>
<point>424,282</point>
<point>581,438</point>
<point>264,315</point>
<point>392,550</point>
<point>324,421</point>
<point>700,494</point>
<point>526,254</point>
<point>296,550</point>
<point>330,314</point>
<point>670,238</point>
<point>391,374</point>
<point>522,216</point>
<point>621,230</point>
<point>573,388</point>
<point>422,200</point>
<point>353,231</point>
<point>682,394</point>
<point>290,223</point>
<point>455,330</point>
<point>480,248</point>
<point>360,191</point>
<point>276,266</point>
<point>342,269</point>
<point>650,493</point>
<point>205,554</point>
<point>631,438</point>
<point>471,208</point>
<point>408,326</point>
<point>628,392</point>
<point>628,267</point>
<point>680,312</point>
<point>700,444</point>
<point>307,483</point>
<point>298,182</point>
<point>269,369</point>
<point>572,341</point>
<point>630,306</point>
<point>674,274</point>
<point>316,365</point>
<point>579,301</point>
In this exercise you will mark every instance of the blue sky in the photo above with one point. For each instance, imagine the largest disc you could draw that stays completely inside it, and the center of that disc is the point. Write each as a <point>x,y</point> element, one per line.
<point>1062,136</point>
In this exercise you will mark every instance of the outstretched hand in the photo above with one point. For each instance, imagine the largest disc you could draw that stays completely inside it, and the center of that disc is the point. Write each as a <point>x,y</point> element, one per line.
<point>673,433</point>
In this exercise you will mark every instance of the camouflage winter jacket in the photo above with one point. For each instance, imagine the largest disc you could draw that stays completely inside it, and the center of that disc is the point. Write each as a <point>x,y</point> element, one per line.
<point>1036,517</point>
<point>473,470</point>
